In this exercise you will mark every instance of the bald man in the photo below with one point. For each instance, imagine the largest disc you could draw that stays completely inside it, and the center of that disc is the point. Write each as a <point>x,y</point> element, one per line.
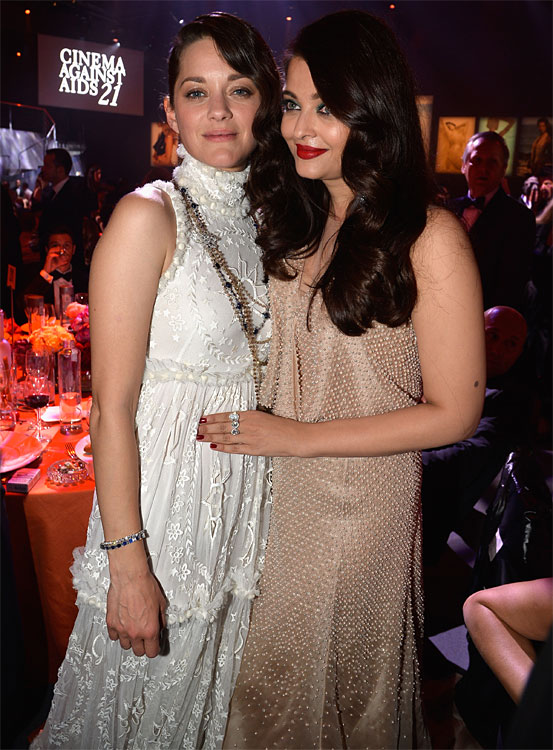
<point>506,332</point>
<point>462,472</point>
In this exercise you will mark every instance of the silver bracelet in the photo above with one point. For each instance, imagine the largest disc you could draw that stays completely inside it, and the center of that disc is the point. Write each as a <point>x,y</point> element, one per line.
<point>142,534</point>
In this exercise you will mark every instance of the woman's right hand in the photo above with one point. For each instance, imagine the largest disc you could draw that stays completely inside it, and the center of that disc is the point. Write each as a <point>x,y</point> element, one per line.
<point>128,260</point>
<point>136,612</point>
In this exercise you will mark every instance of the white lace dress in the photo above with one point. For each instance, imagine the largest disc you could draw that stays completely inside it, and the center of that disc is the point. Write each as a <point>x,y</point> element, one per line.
<point>206,512</point>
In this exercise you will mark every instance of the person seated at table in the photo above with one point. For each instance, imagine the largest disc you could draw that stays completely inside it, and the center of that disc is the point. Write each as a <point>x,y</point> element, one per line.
<point>58,269</point>
<point>455,476</point>
<point>504,621</point>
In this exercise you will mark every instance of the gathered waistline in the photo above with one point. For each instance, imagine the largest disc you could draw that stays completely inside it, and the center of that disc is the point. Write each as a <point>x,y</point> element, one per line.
<point>186,373</point>
<point>177,615</point>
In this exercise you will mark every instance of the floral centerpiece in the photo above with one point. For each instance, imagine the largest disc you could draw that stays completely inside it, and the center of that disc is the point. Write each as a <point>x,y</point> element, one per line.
<point>80,325</point>
<point>50,337</point>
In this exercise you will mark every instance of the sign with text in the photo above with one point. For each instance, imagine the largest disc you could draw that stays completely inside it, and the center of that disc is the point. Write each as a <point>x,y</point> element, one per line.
<point>86,75</point>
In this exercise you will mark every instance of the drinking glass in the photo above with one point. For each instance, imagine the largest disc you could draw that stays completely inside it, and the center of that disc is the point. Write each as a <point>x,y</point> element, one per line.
<point>34,309</point>
<point>7,419</point>
<point>38,384</point>
<point>67,296</point>
<point>49,313</point>
<point>4,379</point>
<point>69,389</point>
<point>18,371</point>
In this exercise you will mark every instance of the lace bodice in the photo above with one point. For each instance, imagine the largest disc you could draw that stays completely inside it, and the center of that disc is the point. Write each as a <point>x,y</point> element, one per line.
<point>194,327</point>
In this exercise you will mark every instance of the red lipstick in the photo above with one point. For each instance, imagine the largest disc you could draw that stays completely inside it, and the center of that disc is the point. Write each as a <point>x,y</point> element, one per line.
<point>308,152</point>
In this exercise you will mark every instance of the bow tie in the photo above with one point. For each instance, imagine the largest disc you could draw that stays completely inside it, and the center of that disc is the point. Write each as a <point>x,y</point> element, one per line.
<point>59,275</point>
<point>478,203</point>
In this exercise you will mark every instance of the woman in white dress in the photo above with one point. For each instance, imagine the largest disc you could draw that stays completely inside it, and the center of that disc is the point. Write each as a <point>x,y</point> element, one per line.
<point>180,327</point>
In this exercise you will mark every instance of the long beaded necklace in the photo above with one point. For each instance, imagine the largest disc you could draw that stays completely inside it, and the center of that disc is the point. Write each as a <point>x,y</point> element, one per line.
<point>240,299</point>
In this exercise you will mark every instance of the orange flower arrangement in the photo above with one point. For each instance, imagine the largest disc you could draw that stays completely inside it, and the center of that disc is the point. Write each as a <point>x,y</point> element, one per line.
<point>50,337</point>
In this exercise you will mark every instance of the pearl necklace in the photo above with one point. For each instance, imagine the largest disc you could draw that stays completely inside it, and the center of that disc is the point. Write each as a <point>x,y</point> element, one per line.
<point>240,299</point>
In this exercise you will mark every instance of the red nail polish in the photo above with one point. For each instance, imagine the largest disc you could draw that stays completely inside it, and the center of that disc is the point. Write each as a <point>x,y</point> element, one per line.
<point>199,437</point>
<point>203,420</point>
<point>213,445</point>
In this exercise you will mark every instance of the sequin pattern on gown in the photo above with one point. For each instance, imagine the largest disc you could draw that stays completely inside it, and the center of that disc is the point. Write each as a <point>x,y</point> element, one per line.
<point>331,659</point>
<point>206,513</point>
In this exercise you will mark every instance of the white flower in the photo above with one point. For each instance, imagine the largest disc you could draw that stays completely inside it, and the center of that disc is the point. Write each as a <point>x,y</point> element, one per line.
<point>174,531</point>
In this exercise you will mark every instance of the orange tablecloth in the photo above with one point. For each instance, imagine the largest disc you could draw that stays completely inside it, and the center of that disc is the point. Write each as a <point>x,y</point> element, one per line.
<point>45,526</point>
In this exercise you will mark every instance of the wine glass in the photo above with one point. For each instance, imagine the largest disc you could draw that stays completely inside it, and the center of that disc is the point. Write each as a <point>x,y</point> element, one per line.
<point>38,384</point>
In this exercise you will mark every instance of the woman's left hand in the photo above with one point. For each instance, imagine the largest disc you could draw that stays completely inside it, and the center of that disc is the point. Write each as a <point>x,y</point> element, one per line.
<point>259,434</point>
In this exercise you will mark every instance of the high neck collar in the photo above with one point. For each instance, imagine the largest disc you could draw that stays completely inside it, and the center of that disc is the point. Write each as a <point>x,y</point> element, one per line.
<point>212,188</point>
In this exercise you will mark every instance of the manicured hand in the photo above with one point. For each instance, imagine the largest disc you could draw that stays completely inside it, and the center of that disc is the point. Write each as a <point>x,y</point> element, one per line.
<point>259,434</point>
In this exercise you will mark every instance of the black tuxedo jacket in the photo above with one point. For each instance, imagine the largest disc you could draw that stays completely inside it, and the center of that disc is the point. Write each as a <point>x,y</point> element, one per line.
<point>38,285</point>
<point>503,239</point>
<point>67,208</point>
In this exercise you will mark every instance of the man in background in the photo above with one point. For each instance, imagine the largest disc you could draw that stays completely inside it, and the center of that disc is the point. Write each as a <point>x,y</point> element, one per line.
<point>502,231</point>
<point>61,199</point>
<point>455,476</point>
<point>58,269</point>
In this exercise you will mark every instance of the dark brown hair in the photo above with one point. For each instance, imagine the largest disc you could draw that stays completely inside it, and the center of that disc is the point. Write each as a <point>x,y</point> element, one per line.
<point>245,50</point>
<point>361,74</point>
<point>62,158</point>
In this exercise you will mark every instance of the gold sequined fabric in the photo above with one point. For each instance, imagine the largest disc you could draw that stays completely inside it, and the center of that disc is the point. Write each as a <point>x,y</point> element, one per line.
<point>331,659</point>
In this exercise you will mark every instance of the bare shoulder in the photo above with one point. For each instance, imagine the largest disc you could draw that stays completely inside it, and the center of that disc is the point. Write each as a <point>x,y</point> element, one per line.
<point>442,246</point>
<point>145,204</point>
<point>143,222</point>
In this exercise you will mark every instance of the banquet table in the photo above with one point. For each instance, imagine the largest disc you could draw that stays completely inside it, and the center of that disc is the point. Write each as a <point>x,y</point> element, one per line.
<point>45,526</point>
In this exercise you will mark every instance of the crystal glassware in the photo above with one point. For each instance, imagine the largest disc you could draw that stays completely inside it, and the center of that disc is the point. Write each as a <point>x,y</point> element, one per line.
<point>69,389</point>
<point>34,310</point>
<point>38,384</point>
<point>67,296</point>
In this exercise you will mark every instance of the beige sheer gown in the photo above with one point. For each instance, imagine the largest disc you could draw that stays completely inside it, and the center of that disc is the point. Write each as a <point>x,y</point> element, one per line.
<point>331,658</point>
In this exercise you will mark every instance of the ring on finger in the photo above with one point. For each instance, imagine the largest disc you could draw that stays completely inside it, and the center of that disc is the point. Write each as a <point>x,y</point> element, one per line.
<point>235,423</point>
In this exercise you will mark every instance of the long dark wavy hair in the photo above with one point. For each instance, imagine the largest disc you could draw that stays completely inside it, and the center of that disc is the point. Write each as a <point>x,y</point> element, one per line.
<point>361,74</point>
<point>245,50</point>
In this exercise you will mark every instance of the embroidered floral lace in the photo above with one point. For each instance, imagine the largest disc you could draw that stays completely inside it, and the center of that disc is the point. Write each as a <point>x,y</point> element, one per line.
<point>206,513</point>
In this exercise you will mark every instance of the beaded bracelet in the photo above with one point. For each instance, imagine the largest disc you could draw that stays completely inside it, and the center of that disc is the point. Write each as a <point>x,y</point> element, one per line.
<point>142,534</point>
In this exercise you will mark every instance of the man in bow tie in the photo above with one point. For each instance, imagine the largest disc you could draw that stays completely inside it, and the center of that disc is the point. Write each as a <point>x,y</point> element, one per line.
<point>58,270</point>
<point>63,200</point>
<point>502,231</point>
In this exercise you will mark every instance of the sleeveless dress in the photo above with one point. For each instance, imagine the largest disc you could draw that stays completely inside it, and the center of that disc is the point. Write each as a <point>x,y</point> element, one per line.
<point>206,512</point>
<point>331,659</point>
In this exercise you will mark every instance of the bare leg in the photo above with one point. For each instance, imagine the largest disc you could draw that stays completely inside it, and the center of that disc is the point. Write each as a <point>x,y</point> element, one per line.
<point>503,621</point>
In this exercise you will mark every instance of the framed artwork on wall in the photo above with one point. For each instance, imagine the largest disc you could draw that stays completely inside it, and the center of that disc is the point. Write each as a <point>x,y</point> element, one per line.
<point>534,147</point>
<point>505,127</point>
<point>453,134</point>
<point>163,145</point>
<point>424,106</point>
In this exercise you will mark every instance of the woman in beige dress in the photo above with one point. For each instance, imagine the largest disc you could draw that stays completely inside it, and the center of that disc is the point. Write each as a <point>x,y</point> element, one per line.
<point>375,301</point>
